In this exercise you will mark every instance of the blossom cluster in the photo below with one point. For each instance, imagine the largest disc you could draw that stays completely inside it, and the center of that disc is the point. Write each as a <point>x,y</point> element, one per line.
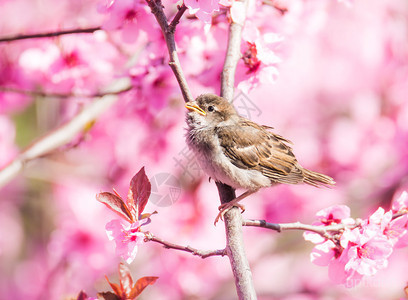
<point>126,231</point>
<point>360,247</point>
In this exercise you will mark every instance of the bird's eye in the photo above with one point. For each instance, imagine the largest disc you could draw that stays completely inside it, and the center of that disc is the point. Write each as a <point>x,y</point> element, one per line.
<point>211,108</point>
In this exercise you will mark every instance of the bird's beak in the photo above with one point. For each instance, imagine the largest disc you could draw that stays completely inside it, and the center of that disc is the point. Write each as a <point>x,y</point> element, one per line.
<point>193,106</point>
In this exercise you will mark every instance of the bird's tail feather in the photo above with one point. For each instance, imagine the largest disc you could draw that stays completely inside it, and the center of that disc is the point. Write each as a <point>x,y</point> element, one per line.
<point>317,179</point>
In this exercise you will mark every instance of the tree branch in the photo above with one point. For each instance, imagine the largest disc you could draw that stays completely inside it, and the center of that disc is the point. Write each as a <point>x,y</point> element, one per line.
<point>322,230</point>
<point>63,95</point>
<point>203,254</point>
<point>235,245</point>
<point>177,17</point>
<point>48,34</point>
<point>233,219</point>
<point>64,133</point>
<point>168,32</point>
<point>232,57</point>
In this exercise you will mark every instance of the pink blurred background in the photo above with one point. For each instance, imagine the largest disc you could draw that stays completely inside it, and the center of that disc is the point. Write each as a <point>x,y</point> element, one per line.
<point>341,98</point>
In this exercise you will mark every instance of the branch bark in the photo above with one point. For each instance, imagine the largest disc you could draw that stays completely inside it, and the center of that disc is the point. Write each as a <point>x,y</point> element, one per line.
<point>168,32</point>
<point>48,34</point>
<point>325,231</point>
<point>177,17</point>
<point>65,133</point>
<point>168,245</point>
<point>233,219</point>
<point>232,57</point>
<point>322,230</point>
<point>235,245</point>
<point>45,94</point>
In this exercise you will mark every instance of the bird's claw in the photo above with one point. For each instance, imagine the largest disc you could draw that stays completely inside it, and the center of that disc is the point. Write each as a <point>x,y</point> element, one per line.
<point>223,208</point>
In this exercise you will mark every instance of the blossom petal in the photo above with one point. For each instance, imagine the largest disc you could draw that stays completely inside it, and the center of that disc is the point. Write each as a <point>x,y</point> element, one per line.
<point>323,254</point>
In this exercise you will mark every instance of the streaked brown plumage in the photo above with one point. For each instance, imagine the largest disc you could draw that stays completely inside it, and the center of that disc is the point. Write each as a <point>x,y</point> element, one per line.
<point>238,152</point>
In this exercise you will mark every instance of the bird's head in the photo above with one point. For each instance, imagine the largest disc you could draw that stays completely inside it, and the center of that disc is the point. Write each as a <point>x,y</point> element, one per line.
<point>210,110</point>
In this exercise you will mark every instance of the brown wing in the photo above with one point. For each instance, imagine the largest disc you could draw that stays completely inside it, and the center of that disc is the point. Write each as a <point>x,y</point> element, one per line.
<point>250,146</point>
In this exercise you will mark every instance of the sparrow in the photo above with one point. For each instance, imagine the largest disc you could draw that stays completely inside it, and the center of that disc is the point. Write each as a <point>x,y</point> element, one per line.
<point>240,153</point>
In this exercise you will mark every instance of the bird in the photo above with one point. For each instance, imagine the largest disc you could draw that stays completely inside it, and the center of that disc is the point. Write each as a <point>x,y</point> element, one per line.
<point>238,152</point>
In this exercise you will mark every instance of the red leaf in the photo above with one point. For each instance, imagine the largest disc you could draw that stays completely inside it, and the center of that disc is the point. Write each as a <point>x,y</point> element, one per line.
<point>116,204</point>
<point>141,284</point>
<point>108,296</point>
<point>126,281</point>
<point>116,193</point>
<point>116,289</point>
<point>82,296</point>
<point>139,193</point>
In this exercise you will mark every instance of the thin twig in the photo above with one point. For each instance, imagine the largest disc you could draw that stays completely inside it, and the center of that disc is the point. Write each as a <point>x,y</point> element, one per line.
<point>168,245</point>
<point>64,133</point>
<point>48,34</point>
<point>62,95</point>
<point>168,32</point>
<point>232,57</point>
<point>177,17</point>
<point>322,230</point>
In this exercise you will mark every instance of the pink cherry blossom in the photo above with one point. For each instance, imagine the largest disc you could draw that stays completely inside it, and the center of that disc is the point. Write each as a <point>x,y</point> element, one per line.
<point>12,76</point>
<point>380,218</point>
<point>313,237</point>
<point>401,203</point>
<point>338,274</point>
<point>362,250</point>
<point>367,250</point>
<point>362,253</point>
<point>256,71</point>
<point>258,57</point>
<point>335,257</point>
<point>397,231</point>
<point>323,253</point>
<point>71,65</point>
<point>203,9</point>
<point>393,229</point>
<point>130,16</point>
<point>335,214</point>
<point>126,236</point>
